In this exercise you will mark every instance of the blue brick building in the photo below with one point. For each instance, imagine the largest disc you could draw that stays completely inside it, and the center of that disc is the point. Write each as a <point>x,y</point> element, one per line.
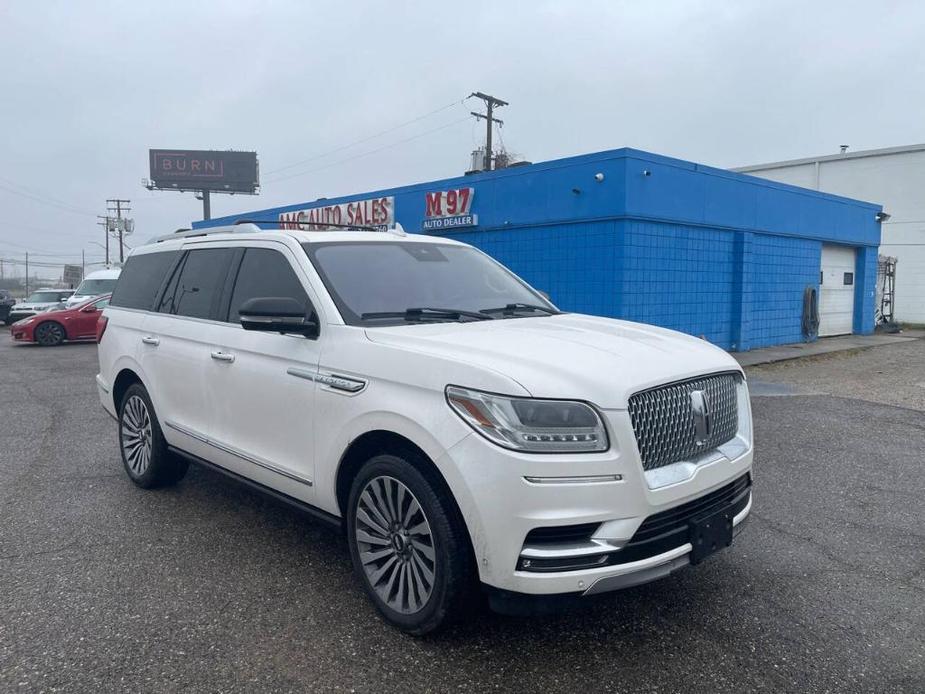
<point>634,235</point>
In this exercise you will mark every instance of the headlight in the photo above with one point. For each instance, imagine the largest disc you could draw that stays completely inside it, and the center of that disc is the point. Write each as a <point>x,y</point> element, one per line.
<point>529,424</point>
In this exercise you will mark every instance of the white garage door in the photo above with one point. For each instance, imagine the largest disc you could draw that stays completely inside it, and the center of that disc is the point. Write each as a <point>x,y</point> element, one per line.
<point>836,295</point>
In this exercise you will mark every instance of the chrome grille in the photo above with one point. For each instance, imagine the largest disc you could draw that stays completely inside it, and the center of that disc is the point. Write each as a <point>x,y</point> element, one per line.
<point>665,425</point>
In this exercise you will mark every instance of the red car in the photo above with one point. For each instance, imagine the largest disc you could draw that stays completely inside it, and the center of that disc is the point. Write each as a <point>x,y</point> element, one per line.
<point>54,327</point>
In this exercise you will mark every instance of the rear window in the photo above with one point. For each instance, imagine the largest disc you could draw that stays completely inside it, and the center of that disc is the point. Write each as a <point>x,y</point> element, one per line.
<point>141,278</point>
<point>196,289</point>
<point>96,287</point>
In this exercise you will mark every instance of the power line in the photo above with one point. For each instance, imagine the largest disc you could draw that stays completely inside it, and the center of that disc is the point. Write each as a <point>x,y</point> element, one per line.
<point>45,200</point>
<point>366,139</point>
<point>373,151</point>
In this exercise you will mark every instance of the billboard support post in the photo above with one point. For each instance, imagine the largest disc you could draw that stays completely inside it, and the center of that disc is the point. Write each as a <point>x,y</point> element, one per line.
<point>206,205</point>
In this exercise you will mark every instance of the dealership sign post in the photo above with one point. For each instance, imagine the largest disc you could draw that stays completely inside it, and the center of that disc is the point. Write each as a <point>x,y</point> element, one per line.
<point>203,171</point>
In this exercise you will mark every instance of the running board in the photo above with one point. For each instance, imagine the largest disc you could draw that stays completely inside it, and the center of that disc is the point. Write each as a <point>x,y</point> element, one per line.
<point>327,518</point>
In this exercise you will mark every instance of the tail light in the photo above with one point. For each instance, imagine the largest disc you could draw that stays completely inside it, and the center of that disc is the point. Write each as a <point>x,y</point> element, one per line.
<point>101,328</point>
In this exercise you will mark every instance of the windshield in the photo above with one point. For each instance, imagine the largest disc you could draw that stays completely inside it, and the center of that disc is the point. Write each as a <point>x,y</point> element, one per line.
<point>391,277</point>
<point>95,287</point>
<point>43,297</point>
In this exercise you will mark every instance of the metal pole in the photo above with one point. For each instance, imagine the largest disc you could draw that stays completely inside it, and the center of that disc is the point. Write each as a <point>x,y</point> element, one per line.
<point>119,227</point>
<point>490,120</point>
<point>488,123</point>
<point>83,264</point>
<point>27,274</point>
<point>206,205</point>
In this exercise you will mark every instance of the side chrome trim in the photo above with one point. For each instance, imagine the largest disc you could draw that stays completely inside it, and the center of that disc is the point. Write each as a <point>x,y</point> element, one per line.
<point>580,479</point>
<point>189,432</point>
<point>259,462</point>
<point>335,381</point>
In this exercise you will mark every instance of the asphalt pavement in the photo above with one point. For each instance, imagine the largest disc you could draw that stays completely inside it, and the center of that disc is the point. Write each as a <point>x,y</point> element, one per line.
<point>211,587</point>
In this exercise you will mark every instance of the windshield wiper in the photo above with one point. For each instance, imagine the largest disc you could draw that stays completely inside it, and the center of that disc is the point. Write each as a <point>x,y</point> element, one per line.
<point>424,313</point>
<point>511,309</point>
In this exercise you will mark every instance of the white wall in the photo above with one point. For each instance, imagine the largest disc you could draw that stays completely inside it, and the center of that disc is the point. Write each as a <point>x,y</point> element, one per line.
<point>894,180</point>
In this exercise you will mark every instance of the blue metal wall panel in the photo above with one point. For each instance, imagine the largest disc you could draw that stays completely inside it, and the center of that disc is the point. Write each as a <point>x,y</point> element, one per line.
<point>781,268</point>
<point>865,290</point>
<point>578,265</point>
<point>679,277</point>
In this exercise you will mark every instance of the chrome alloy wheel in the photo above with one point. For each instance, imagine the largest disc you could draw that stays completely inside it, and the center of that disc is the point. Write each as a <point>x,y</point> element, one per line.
<point>137,436</point>
<point>395,544</point>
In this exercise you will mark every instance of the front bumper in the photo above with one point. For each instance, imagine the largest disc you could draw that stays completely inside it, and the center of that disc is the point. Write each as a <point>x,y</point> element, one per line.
<point>504,495</point>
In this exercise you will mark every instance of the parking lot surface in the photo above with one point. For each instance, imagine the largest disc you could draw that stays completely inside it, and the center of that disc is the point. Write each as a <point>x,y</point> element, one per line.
<point>210,587</point>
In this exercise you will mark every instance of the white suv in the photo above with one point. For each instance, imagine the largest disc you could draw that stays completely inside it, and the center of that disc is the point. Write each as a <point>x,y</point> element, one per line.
<point>413,391</point>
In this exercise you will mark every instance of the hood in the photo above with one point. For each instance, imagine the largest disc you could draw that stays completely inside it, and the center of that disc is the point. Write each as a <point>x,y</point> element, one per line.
<point>570,356</point>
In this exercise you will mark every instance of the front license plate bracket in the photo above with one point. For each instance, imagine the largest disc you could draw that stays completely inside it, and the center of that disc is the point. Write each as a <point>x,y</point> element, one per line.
<point>710,533</point>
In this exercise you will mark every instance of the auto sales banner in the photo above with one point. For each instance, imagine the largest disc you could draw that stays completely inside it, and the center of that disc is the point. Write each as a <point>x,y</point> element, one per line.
<point>375,212</point>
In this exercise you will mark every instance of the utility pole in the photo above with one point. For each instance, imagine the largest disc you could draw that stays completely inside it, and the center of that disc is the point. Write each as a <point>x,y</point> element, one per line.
<point>105,224</point>
<point>83,264</point>
<point>490,104</point>
<point>116,206</point>
<point>27,274</point>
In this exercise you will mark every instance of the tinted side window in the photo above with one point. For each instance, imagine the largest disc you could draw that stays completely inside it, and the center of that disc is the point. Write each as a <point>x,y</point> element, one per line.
<point>197,289</point>
<point>141,278</point>
<point>265,273</point>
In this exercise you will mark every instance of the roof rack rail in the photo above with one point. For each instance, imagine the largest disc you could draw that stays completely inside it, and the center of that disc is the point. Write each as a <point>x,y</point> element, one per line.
<point>248,228</point>
<point>285,224</point>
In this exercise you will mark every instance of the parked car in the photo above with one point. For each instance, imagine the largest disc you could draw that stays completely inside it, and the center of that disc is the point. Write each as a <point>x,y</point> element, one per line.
<point>461,429</point>
<point>38,301</point>
<point>94,284</point>
<point>54,326</point>
<point>6,303</point>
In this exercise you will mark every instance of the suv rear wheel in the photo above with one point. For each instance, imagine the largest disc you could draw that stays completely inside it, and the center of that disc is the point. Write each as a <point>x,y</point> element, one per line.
<point>409,546</point>
<point>145,456</point>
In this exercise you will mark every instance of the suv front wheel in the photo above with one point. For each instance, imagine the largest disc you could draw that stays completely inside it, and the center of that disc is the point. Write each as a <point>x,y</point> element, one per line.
<point>409,545</point>
<point>145,456</point>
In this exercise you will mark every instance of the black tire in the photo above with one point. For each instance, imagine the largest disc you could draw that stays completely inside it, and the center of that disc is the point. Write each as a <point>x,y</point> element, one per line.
<point>49,334</point>
<point>144,452</point>
<point>453,569</point>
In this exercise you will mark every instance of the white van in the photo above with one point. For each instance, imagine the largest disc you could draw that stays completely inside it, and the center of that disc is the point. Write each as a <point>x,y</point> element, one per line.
<point>461,430</point>
<point>95,284</point>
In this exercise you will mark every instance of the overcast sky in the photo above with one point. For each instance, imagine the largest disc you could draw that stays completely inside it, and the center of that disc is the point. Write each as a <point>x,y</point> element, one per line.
<point>88,87</point>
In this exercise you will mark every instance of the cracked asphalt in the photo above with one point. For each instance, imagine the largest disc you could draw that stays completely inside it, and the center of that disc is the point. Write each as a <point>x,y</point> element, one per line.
<point>211,587</point>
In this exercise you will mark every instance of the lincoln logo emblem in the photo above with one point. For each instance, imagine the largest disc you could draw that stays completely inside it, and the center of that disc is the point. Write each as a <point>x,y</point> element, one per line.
<point>703,419</point>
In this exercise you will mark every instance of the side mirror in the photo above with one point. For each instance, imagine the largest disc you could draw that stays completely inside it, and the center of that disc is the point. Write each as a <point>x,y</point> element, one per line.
<point>89,309</point>
<point>277,314</point>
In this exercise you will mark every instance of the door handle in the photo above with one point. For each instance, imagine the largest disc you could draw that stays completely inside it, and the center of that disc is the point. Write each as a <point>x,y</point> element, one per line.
<point>151,340</point>
<point>223,356</point>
